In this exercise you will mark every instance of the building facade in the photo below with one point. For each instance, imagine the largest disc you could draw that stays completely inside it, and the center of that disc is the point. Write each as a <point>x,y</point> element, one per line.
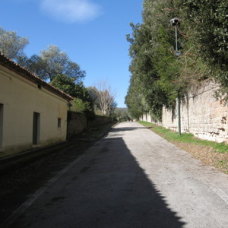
<point>32,112</point>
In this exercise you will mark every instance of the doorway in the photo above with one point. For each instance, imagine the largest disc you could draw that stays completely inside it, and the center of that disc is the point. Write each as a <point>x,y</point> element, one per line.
<point>36,128</point>
<point>1,125</point>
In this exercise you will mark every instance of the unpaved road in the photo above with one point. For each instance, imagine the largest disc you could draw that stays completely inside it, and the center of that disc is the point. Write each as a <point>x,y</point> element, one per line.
<point>131,178</point>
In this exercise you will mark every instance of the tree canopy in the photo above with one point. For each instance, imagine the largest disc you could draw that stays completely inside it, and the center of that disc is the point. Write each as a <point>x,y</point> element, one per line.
<point>158,77</point>
<point>12,45</point>
<point>52,62</point>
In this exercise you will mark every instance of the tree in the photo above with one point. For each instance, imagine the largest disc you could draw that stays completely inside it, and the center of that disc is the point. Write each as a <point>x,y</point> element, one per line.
<point>12,45</point>
<point>82,101</point>
<point>103,98</point>
<point>35,64</point>
<point>158,77</point>
<point>209,19</point>
<point>67,85</point>
<point>94,94</point>
<point>53,62</point>
<point>153,65</point>
<point>58,62</point>
<point>121,114</point>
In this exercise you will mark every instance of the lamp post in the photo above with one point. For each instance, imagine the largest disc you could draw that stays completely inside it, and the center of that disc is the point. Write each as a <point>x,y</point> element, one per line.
<point>176,22</point>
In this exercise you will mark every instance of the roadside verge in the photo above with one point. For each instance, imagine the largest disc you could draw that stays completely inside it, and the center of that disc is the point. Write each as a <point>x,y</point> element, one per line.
<point>210,153</point>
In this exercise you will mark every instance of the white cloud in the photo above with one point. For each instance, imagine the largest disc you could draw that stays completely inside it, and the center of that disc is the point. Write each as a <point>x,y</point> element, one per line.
<point>71,10</point>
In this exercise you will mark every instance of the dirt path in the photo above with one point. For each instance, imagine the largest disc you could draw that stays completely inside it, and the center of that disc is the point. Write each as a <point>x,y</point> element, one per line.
<point>131,178</point>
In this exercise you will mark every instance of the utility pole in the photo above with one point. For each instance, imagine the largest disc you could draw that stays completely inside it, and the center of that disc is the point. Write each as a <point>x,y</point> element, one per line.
<point>176,22</point>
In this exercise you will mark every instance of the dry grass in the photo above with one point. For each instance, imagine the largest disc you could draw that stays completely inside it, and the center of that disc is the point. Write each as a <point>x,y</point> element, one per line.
<point>210,153</point>
<point>206,154</point>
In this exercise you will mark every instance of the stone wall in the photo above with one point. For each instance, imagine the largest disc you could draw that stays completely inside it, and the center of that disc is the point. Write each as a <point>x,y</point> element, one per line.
<point>78,122</point>
<point>148,118</point>
<point>201,114</point>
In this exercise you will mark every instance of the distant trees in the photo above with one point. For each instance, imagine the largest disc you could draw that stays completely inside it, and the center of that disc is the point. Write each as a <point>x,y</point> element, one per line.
<point>12,45</point>
<point>103,98</point>
<point>121,114</point>
<point>55,67</point>
<point>158,77</point>
<point>52,62</point>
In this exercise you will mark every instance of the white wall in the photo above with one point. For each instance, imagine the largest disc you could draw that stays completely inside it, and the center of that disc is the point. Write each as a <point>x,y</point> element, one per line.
<point>201,115</point>
<point>20,99</point>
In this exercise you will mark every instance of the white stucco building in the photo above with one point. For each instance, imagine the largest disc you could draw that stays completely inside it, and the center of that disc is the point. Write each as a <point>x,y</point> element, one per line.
<point>32,112</point>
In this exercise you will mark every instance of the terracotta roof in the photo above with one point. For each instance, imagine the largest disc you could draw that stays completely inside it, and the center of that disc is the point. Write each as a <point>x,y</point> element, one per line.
<point>11,65</point>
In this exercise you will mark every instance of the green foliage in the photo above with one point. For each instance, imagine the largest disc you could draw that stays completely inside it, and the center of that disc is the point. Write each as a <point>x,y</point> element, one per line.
<point>154,70</point>
<point>65,84</point>
<point>78,105</point>
<point>209,19</point>
<point>68,85</point>
<point>158,77</point>
<point>53,62</point>
<point>121,114</point>
<point>82,101</point>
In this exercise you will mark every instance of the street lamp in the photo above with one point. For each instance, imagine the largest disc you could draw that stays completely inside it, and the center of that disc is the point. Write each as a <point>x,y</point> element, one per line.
<point>176,22</point>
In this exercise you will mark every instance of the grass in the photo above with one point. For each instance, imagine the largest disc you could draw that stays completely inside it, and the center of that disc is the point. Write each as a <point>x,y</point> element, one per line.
<point>185,138</point>
<point>210,153</point>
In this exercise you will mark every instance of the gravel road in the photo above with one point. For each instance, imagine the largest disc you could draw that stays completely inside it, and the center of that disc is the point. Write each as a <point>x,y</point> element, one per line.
<point>131,178</point>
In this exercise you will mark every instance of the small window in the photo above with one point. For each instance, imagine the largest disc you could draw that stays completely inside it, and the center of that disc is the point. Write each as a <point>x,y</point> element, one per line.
<point>59,122</point>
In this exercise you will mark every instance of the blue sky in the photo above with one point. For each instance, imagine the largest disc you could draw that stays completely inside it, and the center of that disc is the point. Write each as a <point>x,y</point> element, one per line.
<point>91,32</point>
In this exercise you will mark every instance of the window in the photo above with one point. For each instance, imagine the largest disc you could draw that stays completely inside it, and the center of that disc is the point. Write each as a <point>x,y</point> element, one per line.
<point>36,128</point>
<point>1,125</point>
<point>59,122</point>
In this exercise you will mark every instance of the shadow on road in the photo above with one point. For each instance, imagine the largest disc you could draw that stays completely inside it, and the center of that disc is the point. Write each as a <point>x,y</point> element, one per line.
<point>126,129</point>
<point>128,196</point>
<point>110,190</point>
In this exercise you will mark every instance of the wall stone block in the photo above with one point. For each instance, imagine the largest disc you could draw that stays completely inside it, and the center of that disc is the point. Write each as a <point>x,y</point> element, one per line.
<point>202,115</point>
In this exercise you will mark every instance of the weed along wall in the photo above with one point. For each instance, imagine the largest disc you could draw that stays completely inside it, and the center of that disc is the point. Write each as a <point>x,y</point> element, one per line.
<point>201,115</point>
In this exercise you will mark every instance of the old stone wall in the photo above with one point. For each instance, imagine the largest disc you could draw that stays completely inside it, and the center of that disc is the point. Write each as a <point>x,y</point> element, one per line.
<point>148,118</point>
<point>78,122</point>
<point>201,114</point>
